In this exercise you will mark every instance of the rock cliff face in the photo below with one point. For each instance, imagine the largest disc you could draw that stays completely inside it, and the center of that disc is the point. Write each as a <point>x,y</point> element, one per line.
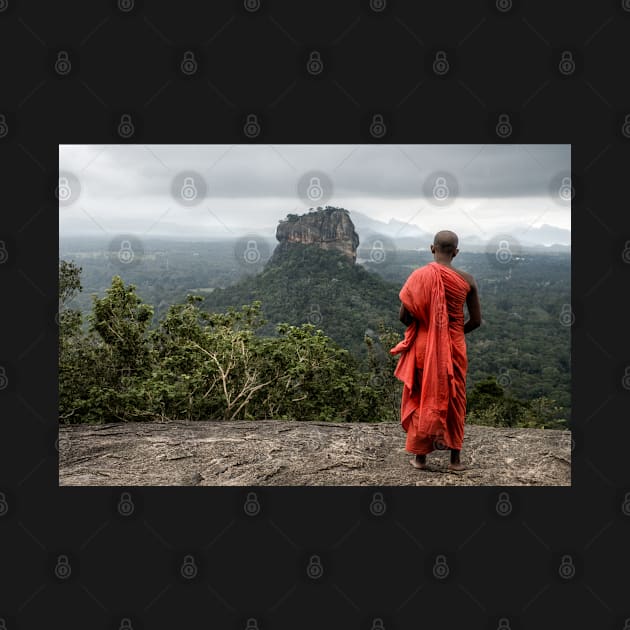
<point>328,228</point>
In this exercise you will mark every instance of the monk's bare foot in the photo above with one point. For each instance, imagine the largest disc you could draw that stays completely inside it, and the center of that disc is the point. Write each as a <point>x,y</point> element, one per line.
<point>455,461</point>
<point>457,466</point>
<point>419,462</point>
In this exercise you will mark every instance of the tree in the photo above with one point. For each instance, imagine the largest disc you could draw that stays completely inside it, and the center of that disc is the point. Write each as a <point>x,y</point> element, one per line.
<point>231,363</point>
<point>70,341</point>
<point>121,319</point>
<point>69,281</point>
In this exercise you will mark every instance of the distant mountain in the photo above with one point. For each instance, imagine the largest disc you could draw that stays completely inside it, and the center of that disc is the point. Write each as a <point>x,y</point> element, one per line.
<point>546,238</point>
<point>411,236</point>
<point>398,234</point>
<point>393,229</point>
<point>312,278</point>
<point>546,235</point>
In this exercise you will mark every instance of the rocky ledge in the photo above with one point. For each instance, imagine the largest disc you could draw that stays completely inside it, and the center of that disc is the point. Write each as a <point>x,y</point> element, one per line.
<point>292,453</point>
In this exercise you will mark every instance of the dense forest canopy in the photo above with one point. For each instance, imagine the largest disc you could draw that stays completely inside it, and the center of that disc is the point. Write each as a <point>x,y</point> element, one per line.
<point>134,329</point>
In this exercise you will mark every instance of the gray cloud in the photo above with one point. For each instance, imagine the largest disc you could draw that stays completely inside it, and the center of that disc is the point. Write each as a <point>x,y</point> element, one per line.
<point>257,184</point>
<point>385,171</point>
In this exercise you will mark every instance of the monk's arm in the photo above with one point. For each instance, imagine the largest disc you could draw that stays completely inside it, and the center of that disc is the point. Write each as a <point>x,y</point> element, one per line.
<point>474,309</point>
<point>404,315</point>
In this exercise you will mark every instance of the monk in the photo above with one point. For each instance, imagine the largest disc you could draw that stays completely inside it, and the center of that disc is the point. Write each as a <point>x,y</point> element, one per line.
<point>433,360</point>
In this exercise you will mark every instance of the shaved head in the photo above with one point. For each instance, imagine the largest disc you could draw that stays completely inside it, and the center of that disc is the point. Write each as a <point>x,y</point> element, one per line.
<point>446,242</point>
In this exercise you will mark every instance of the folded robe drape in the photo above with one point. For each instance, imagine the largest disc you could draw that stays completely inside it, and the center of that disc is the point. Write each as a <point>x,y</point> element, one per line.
<point>433,360</point>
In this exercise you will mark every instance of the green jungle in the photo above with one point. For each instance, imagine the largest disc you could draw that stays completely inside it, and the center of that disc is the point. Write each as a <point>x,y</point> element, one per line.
<point>190,333</point>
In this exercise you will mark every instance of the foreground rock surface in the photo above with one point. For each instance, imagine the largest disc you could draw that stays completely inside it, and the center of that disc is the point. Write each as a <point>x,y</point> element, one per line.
<point>290,453</point>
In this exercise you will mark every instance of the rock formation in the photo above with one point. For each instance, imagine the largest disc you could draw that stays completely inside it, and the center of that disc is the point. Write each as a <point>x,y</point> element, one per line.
<point>328,228</point>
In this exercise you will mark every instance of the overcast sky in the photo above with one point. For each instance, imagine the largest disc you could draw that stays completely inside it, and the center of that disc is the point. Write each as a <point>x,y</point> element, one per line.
<point>244,188</point>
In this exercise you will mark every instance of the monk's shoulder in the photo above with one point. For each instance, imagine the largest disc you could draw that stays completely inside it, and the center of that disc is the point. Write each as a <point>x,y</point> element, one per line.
<point>420,271</point>
<point>467,276</point>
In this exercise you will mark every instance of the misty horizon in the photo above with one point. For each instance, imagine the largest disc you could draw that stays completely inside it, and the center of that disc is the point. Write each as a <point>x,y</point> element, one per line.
<point>240,189</point>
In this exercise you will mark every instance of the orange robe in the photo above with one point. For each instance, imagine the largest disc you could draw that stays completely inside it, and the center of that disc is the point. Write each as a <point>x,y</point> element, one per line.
<point>433,360</point>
